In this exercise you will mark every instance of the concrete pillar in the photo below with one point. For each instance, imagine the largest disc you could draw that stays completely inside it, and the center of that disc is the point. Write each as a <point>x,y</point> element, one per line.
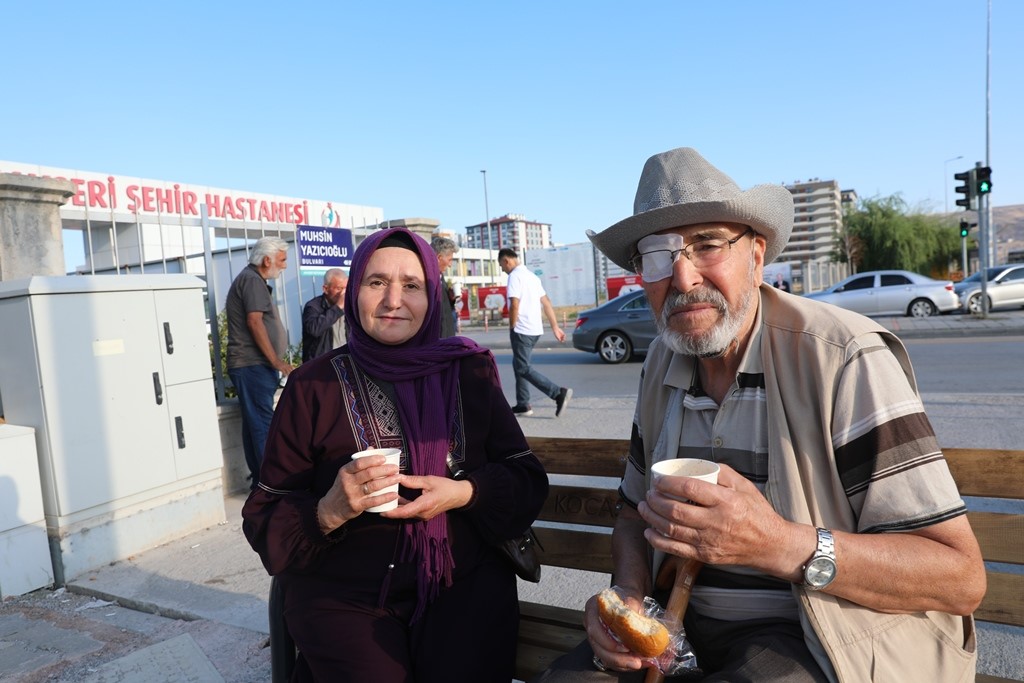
<point>31,241</point>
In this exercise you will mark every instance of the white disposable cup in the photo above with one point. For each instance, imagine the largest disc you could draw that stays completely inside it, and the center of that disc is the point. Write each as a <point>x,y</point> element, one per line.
<point>694,468</point>
<point>394,457</point>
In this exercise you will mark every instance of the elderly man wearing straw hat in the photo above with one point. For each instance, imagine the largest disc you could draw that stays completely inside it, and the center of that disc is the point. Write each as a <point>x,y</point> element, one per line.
<point>835,546</point>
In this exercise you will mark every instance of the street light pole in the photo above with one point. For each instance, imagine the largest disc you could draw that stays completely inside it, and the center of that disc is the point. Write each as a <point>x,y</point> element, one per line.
<point>945,178</point>
<point>490,248</point>
<point>989,228</point>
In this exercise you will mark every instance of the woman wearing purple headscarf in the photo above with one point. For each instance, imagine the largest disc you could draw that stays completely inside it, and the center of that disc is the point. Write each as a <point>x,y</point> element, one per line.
<point>418,593</point>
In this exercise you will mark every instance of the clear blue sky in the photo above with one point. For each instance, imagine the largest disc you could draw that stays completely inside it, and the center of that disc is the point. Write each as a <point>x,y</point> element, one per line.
<point>401,104</point>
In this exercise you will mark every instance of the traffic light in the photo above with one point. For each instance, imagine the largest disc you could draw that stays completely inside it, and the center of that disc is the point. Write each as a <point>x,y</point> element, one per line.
<point>965,228</point>
<point>983,180</point>
<point>968,189</point>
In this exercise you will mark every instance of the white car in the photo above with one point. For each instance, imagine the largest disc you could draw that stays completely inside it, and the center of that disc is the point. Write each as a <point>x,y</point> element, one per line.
<point>891,292</point>
<point>1004,287</point>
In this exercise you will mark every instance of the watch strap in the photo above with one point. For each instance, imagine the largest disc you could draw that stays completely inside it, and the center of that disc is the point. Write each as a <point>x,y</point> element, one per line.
<point>825,549</point>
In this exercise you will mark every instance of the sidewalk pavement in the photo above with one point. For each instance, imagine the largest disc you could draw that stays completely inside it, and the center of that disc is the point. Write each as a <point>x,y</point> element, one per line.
<point>191,610</point>
<point>195,609</point>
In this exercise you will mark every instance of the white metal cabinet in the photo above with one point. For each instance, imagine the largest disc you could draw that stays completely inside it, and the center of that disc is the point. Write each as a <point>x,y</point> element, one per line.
<point>185,347</point>
<point>194,430</point>
<point>100,370</point>
<point>114,374</point>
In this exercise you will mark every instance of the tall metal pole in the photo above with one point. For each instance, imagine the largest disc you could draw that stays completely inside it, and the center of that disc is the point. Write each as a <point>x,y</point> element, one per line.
<point>945,179</point>
<point>490,246</point>
<point>986,245</point>
<point>964,256</point>
<point>987,208</point>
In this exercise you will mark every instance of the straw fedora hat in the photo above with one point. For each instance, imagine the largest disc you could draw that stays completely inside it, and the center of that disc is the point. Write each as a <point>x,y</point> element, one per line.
<point>680,187</point>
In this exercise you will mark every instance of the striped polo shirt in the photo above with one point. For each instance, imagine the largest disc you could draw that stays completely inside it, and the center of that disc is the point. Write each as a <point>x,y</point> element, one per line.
<point>879,433</point>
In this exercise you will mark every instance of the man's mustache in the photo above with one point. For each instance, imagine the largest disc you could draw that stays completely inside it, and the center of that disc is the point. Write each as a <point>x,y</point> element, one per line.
<point>703,295</point>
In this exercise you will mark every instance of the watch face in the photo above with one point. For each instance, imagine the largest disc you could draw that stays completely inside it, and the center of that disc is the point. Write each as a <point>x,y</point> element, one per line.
<point>820,572</point>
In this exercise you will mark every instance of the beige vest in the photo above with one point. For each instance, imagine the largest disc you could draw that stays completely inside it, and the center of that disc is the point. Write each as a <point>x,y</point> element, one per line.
<point>801,348</point>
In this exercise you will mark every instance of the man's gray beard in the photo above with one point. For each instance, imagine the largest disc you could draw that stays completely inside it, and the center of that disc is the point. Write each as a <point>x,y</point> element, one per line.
<point>718,339</point>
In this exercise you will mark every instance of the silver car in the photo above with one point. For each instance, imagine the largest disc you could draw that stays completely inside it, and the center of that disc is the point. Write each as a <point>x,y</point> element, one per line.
<point>616,330</point>
<point>891,292</point>
<point>1004,286</point>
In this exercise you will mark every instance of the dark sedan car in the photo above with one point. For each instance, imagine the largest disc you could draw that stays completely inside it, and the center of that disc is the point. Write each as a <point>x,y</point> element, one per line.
<point>616,330</point>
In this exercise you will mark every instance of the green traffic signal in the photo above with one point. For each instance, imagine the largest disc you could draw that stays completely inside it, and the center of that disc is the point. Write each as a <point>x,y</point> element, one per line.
<point>964,229</point>
<point>983,177</point>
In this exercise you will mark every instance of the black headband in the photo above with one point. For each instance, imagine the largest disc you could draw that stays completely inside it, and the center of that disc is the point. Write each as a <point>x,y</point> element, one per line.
<point>400,240</point>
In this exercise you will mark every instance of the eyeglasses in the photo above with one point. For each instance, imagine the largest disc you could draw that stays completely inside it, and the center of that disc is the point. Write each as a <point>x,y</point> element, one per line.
<point>663,251</point>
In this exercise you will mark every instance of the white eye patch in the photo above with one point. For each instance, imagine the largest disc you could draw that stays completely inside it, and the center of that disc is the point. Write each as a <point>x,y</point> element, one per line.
<point>657,254</point>
<point>671,241</point>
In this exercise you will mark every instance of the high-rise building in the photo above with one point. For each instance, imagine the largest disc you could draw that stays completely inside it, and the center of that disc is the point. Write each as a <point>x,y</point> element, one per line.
<point>849,200</point>
<point>511,230</point>
<point>818,217</point>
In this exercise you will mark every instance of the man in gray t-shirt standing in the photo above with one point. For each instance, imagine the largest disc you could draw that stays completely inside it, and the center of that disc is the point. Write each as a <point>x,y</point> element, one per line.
<point>256,345</point>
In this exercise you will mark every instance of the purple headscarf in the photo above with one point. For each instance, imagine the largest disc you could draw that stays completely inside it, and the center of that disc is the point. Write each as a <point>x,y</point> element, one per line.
<point>425,373</point>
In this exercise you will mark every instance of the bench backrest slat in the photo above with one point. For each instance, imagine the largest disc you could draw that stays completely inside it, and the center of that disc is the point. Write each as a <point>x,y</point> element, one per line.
<point>590,457</point>
<point>982,472</point>
<point>987,473</point>
<point>1004,599</point>
<point>580,505</point>
<point>539,634</point>
<point>1000,535</point>
<point>575,549</point>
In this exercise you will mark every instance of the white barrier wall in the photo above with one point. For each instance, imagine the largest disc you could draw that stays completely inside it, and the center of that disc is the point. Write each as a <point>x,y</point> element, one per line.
<point>24,551</point>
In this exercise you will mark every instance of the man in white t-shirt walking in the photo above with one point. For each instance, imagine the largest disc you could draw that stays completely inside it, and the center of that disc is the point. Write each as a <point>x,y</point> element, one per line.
<point>526,300</point>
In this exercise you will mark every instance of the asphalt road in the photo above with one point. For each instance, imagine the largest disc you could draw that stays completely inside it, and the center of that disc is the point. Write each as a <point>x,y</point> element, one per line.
<point>972,388</point>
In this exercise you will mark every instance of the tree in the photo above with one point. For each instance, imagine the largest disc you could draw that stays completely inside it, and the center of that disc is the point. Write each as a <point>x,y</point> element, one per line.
<point>882,233</point>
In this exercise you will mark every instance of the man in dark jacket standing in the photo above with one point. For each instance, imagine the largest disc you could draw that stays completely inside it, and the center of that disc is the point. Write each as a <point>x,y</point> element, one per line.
<point>323,325</point>
<point>445,250</point>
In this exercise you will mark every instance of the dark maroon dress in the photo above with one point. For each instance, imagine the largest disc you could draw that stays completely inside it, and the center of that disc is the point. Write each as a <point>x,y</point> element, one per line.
<point>348,597</point>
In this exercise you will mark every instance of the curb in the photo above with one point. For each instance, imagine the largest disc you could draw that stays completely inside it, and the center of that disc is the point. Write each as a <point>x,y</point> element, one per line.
<point>133,604</point>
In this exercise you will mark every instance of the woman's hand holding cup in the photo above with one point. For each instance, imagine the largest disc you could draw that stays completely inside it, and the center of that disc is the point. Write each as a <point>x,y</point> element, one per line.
<point>367,484</point>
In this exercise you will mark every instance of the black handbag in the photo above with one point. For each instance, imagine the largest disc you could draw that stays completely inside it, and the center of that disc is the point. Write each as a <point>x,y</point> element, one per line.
<point>520,551</point>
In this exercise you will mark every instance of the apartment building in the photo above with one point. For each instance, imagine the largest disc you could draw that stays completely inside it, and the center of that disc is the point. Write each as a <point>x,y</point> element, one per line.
<point>511,230</point>
<point>817,219</point>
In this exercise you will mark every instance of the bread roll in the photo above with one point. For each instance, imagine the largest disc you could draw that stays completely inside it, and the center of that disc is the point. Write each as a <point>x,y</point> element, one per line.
<point>642,635</point>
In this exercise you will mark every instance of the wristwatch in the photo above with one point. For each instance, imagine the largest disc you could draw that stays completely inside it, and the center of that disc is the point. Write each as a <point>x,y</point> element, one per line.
<point>821,569</point>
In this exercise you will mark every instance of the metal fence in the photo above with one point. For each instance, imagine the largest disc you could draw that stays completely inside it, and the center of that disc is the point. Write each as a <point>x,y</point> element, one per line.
<point>212,249</point>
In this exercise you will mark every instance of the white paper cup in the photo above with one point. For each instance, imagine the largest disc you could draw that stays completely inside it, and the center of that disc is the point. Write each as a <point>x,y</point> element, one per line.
<point>394,457</point>
<point>695,468</point>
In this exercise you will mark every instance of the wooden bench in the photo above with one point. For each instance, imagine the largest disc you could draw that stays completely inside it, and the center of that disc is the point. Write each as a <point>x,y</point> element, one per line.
<point>546,632</point>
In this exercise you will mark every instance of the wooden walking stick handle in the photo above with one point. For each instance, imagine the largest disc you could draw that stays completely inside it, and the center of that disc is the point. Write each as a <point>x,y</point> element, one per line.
<point>682,586</point>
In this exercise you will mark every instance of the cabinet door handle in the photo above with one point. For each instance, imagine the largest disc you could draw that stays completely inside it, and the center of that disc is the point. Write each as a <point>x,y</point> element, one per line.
<point>168,339</point>
<point>180,430</point>
<point>157,389</point>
